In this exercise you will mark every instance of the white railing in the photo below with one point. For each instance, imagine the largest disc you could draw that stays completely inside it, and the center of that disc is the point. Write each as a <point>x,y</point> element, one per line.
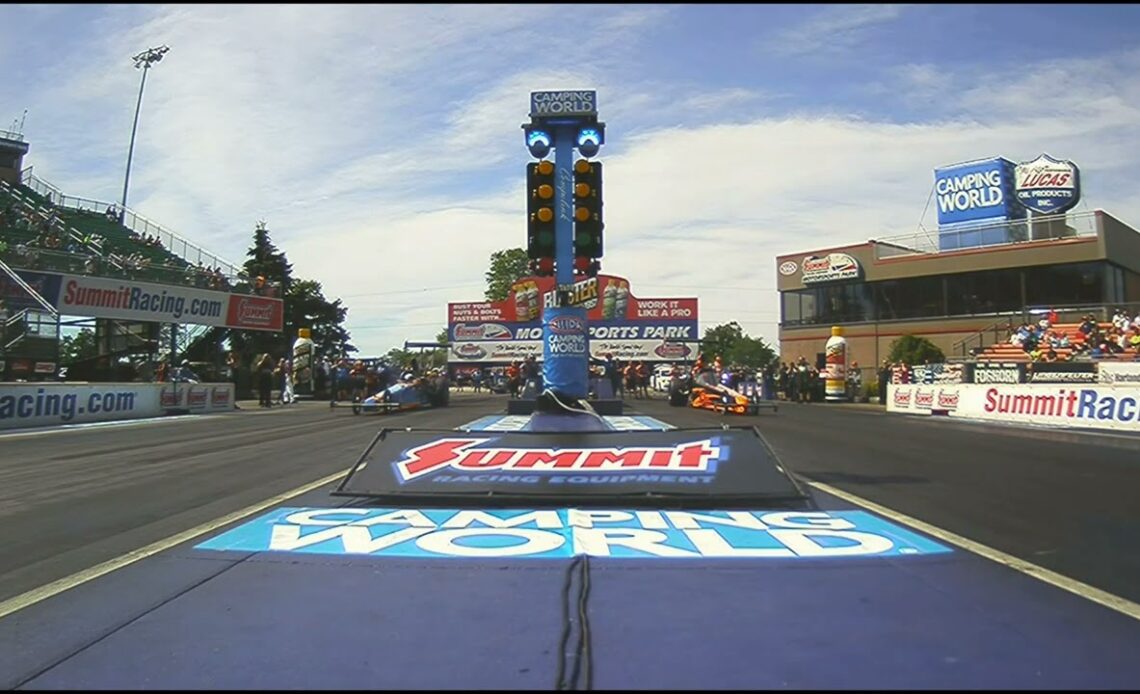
<point>133,221</point>
<point>987,235</point>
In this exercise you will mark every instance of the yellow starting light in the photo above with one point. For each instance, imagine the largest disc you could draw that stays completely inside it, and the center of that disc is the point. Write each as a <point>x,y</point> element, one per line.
<point>545,214</point>
<point>545,191</point>
<point>582,190</point>
<point>582,166</point>
<point>545,167</point>
<point>582,214</point>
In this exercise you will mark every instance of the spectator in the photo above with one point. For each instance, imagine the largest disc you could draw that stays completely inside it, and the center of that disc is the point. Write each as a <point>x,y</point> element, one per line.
<point>264,370</point>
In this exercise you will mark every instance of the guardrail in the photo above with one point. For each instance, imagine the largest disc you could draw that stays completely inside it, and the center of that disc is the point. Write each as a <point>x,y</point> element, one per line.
<point>990,234</point>
<point>131,220</point>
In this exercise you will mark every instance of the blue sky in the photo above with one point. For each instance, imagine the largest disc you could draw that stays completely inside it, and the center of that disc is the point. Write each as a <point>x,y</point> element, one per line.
<point>381,143</point>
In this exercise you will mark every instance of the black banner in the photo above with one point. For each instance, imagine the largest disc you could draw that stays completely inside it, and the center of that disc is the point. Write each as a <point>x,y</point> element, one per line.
<point>938,373</point>
<point>1062,372</point>
<point>703,466</point>
<point>996,372</point>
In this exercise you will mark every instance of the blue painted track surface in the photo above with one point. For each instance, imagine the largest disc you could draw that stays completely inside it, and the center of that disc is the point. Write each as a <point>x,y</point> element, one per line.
<point>197,619</point>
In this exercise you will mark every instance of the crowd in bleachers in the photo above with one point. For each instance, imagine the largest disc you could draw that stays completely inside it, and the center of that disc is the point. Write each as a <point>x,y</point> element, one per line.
<point>1049,341</point>
<point>37,235</point>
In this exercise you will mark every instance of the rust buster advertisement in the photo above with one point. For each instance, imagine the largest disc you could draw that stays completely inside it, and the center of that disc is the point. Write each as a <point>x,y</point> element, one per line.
<point>626,326</point>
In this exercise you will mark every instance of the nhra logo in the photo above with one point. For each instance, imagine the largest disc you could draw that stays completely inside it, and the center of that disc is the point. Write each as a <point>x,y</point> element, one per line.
<point>924,399</point>
<point>220,396</point>
<point>948,400</point>
<point>567,325</point>
<point>902,398</point>
<point>461,454</point>
<point>484,331</point>
<point>1047,185</point>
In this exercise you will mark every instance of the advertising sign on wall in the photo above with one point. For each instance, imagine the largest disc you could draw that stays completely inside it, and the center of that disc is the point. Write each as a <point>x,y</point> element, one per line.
<point>102,297</point>
<point>617,322</point>
<point>829,268</point>
<point>1047,185</point>
<point>1061,372</point>
<point>977,190</point>
<point>1093,406</point>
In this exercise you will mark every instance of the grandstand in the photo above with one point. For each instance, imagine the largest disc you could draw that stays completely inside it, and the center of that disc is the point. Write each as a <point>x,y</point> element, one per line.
<point>43,229</point>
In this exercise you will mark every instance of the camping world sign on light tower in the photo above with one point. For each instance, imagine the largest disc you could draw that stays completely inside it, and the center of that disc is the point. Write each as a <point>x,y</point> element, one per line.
<point>561,205</point>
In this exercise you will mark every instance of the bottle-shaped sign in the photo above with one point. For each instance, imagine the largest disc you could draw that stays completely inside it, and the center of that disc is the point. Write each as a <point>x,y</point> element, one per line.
<point>621,302</point>
<point>835,383</point>
<point>303,353</point>
<point>609,300</point>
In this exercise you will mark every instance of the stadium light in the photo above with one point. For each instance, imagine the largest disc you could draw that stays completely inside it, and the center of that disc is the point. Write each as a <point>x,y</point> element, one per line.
<point>144,60</point>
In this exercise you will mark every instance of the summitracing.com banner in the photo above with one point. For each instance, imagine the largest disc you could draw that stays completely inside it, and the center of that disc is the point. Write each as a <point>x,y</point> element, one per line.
<point>101,297</point>
<point>1075,406</point>
<point>619,323</point>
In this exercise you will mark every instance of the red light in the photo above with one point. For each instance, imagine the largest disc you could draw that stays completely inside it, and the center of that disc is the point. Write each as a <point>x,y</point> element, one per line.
<point>581,264</point>
<point>546,266</point>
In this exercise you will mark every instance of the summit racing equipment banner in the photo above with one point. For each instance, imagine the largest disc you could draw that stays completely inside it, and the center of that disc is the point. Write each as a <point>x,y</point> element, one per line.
<point>629,327</point>
<point>1070,407</point>
<point>101,297</point>
<point>561,533</point>
<point>585,467</point>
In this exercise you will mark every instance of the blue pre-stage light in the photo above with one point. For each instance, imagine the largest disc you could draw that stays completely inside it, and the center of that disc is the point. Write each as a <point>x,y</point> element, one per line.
<point>588,141</point>
<point>538,142</point>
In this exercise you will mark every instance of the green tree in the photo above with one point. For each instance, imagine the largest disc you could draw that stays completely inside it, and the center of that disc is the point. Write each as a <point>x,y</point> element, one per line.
<point>915,350</point>
<point>265,259</point>
<point>720,340</point>
<point>305,306</point>
<point>77,347</point>
<point>734,346</point>
<point>507,267</point>
<point>752,352</point>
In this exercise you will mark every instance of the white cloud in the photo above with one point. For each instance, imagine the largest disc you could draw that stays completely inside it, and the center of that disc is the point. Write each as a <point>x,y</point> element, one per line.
<point>833,29</point>
<point>382,144</point>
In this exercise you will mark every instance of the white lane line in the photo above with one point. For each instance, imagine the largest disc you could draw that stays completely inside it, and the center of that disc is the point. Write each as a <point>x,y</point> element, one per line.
<point>60,428</point>
<point>1112,602</point>
<point>67,583</point>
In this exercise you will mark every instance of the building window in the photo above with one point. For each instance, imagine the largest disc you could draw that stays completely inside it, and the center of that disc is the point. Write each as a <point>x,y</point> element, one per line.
<point>993,291</point>
<point>918,297</point>
<point>1060,285</point>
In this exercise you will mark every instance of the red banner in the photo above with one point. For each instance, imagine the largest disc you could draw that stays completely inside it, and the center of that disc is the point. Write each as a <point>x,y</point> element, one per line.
<point>255,313</point>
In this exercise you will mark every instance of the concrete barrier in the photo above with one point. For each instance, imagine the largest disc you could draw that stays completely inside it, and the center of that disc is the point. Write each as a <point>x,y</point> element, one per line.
<point>28,405</point>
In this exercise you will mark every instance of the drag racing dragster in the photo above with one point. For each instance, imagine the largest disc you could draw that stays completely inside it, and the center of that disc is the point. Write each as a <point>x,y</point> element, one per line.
<point>706,394</point>
<point>409,392</point>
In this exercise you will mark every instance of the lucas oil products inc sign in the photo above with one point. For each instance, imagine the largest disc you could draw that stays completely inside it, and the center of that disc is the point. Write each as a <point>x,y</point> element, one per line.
<point>617,322</point>
<point>1047,185</point>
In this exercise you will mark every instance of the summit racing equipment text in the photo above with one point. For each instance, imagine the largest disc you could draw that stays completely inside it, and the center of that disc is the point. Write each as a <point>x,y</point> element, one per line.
<point>460,454</point>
